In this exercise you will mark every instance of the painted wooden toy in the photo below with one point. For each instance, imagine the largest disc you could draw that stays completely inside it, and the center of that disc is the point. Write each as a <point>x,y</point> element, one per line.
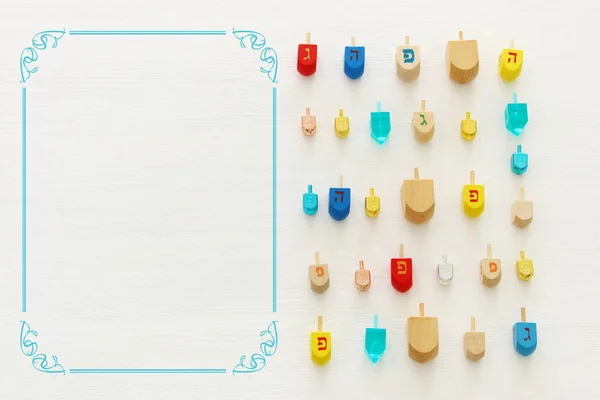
<point>445,271</point>
<point>307,57</point>
<point>525,335</point>
<point>310,201</point>
<point>468,127</point>
<point>362,277</point>
<point>490,269</point>
<point>320,344</point>
<point>375,340</point>
<point>423,124</point>
<point>318,275</point>
<point>339,202</point>
<point>380,125</point>
<point>524,267</point>
<point>510,63</point>
<point>401,272</point>
<point>474,343</point>
<point>473,198</point>
<point>309,123</point>
<point>418,200</point>
<point>408,61</point>
<point>522,210</point>
<point>341,125</point>
<point>519,161</point>
<point>423,337</point>
<point>354,60</point>
<point>372,204</point>
<point>516,116</point>
<point>462,59</point>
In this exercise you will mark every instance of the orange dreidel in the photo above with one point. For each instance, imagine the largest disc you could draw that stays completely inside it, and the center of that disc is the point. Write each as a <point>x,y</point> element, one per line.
<point>474,343</point>
<point>423,337</point>
<point>318,275</point>
<point>320,345</point>
<point>309,123</point>
<point>490,269</point>
<point>307,57</point>
<point>362,277</point>
<point>401,272</point>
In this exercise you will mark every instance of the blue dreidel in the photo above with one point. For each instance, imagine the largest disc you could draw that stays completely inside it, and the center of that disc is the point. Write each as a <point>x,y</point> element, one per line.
<point>310,202</point>
<point>525,335</point>
<point>339,202</point>
<point>375,341</point>
<point>380,125</point>
<point>516,116</point>
<point>354,60</point>
<point>519,162</point>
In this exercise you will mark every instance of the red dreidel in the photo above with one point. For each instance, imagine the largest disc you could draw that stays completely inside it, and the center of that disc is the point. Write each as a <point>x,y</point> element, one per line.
<point>401,272</point>
<point>307,57</point>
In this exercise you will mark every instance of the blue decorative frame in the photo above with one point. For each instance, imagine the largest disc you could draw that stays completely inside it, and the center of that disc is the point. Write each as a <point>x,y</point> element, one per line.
<point>29,55</point>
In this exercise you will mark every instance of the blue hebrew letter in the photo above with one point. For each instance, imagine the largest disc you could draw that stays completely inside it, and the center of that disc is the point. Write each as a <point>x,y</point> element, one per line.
<point>409,56</point>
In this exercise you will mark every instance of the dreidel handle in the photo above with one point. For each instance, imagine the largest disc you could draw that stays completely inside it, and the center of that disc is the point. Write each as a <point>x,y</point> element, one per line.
<point>307,37</point>
<point>353,41</point>
<point>407,40</point>
<point>401,250</point>
<point>468,115</point>
<point>522,192</point>
<point>512,43</point>
<point>421,309</point>
<point>307,110</point>
<point>375,321</point>
<point>460,35</point>
<point>489,251</point>
<point>416,172</point>
<point>444,259</point>
<point>341,112</point>
<point>317,258</point>
<point>522,254</point>
<point>378,106</point>
<point>371,192</point>
<point>423,105</point>
<point>472,324</point>
<point>523,315</point>
<point>515,98</point>
<point>341,180</point>
<point>320,324</point>
<point>472,177</point>
<point>310,189</point>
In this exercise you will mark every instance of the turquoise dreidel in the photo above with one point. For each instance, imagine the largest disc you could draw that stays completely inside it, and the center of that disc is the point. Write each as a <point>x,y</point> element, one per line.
<point>525,335</point>
<point>519,162</point>
<point>354,60</point>
<point>339,202</point>
<point>380,125</point>
<point>375,341</point>
<point>516,116</point>
<point>310,201</point>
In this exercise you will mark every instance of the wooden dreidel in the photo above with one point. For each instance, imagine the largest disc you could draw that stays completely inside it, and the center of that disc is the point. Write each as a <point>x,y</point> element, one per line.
<point>309,123</point>
<point>462,59</point>
<point>362,277</point>
<point>423,124</point>
<point>490,269</point>
<point>418,200</point>
<point>339,202</point>
<point>307,57</point>
<point>519,161</point>
<point>341,125</point>
<point>473,198</point>
<point>423,337</point>
<point>522,210</point>
<point>474,343</point>
<point>468,127</point>
<point>401,272</point>
<point>318,275</point>
<point>310,202</point>
<point>380,125</point>
<point>445,272</point>
<point>372,204</point>
<point>408,61</point>
<point>510,63</point>
<point>525,335</point>
<point>524,267</point>
<point>354,60</point>
<point>320,344</point>
<point>516,116</point>
<point>375,341</point>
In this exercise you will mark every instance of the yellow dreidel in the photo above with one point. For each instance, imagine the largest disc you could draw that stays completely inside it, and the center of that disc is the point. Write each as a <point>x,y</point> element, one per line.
<point>524,267</point>
<point>423,337</point>
<point>468,127</point>
<point>372,204</point>
<point>473,198</point>
<point>510,63</point>
<point>320,345</point>
<point>490,269</point>
<point>341,125</point>
<point>474,343</point>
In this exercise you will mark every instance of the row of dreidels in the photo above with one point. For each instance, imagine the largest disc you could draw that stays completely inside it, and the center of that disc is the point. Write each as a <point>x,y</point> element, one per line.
<point>418,201</point>
<point>423,339</point>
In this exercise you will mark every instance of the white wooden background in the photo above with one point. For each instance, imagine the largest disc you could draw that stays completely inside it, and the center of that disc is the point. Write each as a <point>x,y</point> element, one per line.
<point>149,200</point>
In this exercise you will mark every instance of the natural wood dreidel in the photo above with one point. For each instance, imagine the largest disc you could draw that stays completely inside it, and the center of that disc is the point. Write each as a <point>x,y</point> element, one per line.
<point>462,59</point>
<point>309,123</point>
<point>490,269</point>
<point>524,267</point>
<point>408,61</point>
<point>418,200</point>
<point>473,198</point>
<point>474,343</point>
<point>423,124</point>
<point>318,275</point>
<point>320,344</point>
<point>362,277</point>
<point>510,63</point>
<point>423,337</point>
<point>525,335</point>
<point>522,210</point>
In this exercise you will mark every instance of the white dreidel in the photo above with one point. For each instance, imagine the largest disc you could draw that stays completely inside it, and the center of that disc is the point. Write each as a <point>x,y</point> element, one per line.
<point>445,271</point>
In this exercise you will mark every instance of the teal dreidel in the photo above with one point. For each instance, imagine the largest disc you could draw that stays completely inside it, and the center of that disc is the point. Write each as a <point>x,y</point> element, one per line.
<point>516,116</point>
<point>519,162</point>
<point>339,202</point>
<point>380,125</point>
<point>354,60</point>
<point>525,335</point>
<point>375,341</point>
<point>310,201</point>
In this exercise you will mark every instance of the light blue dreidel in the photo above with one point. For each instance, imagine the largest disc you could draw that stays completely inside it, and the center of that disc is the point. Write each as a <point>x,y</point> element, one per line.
<point>354,60</point>
<point>375,341</point>
<point>339,202</point>
<point>516,116</point>
<point>310,201</point>
<point>380,125</point>
<point>525,335</point>
<point>519,162</point>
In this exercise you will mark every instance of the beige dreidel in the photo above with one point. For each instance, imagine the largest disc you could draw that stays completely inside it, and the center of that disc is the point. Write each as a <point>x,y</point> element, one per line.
<point>309,123</point>
<point>490,269</point>
<point>319,275</point>
<point>423,124</point>
<point>462,59</point>
<point>408,61</point>
<point>423,337</point>
<point>474,343</point>
<point>418,200</point>
<point>362,277</point>
<point>522,210</point>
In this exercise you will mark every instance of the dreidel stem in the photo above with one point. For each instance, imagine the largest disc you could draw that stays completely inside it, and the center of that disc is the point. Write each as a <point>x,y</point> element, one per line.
<point>361,264</point>
<point>320,324</point>
<point>307,110</point>
<point>401,250</point>
<point>421,309</point>
<point>307,37</point>
<point>416,173</point>
<point>407,40</point>
<point>371,192</point>
<point>310,189</point>
<point>444,258</point>
<point>460,35</point>
<point>317,258</point>
<point>341,180</point>
<point>341,112</point>
<point>423,105</point>
<point>522,192</point>
<point>518,148</point>
<point>514,97</point>
<point>522,254</point>
<point>523,315</point>
<point>472,177</point>
<point>353,40</point>
<point>512,43</point>
<point>489,251</point>
<point>468,114</point>
<point>472,324</point>
<point>378,106</point>
<point>375,321</point>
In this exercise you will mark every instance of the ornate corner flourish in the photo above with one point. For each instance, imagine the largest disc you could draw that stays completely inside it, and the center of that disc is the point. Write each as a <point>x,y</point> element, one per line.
<point>268,55</point>
<point>39,360</point>
<point>258,361</point>
<point>29,55</point>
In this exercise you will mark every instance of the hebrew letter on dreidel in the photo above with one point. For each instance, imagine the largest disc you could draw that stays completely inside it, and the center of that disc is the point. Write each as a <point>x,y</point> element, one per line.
<point>473,195</point>
<point>320,271</point>
<point>321,343</point>
<point>512,56</point>
<point>401,267</point>
<point>409,55</point>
